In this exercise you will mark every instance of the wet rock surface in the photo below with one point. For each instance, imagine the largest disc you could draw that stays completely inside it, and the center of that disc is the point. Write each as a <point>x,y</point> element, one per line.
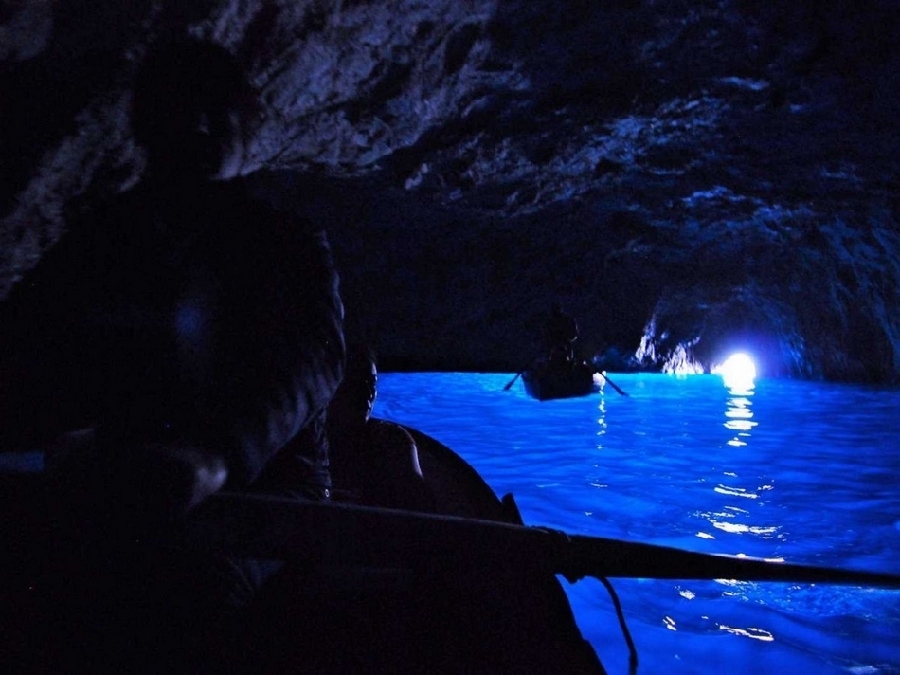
<point>687,179</point>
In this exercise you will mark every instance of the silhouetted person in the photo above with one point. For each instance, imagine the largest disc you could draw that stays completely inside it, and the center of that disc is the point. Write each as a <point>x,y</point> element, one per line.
<point>374,461</point>
<point>559,336</point>
<point>196,329</point>
<point>185,312</point>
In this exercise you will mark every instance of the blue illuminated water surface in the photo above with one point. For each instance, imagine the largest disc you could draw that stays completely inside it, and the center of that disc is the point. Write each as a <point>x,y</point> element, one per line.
<point>800,471</point>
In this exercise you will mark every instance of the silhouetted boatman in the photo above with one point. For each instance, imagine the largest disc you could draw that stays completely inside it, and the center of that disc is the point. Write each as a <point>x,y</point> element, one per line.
<point>559,336</point>
<point>197,330</point>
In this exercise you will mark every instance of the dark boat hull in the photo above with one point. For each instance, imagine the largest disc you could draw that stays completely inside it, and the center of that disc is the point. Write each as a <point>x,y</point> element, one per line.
<point>417,614</point>
<point>545,382</point>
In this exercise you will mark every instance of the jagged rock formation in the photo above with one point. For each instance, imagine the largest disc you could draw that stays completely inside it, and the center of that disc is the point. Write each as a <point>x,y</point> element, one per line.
<point>686,178</point>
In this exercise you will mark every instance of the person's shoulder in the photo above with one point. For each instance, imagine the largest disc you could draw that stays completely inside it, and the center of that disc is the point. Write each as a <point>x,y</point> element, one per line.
<point>385,431</point>
<point>387,427</point>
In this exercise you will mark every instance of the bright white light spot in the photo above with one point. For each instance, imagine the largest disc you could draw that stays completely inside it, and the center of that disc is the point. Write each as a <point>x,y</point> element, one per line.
<point>738,367</point>
<point>738,372</point>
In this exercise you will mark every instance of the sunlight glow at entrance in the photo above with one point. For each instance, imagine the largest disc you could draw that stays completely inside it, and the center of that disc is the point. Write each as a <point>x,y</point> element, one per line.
<point>737,368</point>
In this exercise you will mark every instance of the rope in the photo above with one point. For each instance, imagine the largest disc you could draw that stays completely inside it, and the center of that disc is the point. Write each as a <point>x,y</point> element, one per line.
<point>566,550</point>
<point>632,650</point>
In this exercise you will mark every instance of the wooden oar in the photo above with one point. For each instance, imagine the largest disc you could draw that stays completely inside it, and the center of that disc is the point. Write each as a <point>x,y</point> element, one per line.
<point>330,534</point>
<point>611,383</point>
<point>510,383</point>
<point>517,376</point>
<point>619,558</point>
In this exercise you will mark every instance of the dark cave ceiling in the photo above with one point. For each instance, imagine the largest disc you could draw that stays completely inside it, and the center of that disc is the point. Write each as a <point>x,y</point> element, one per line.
<point>686,178</point>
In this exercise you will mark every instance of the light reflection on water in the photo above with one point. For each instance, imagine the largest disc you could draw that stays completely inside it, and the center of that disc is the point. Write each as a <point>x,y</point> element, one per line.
<point>801,472</point>
<point>738,413</point>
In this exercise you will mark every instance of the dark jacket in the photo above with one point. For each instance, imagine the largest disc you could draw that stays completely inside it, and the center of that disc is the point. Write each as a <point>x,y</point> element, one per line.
<point>206,315</point>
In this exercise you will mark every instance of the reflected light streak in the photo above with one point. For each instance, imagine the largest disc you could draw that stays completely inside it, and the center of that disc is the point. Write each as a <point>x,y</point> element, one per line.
<point>601,420</point>
<point>740,528</point>
<point>740,410</point>
<point>735,492</point>
<point>733,519</point>
<point>753,633</point>
<point>738,373</point>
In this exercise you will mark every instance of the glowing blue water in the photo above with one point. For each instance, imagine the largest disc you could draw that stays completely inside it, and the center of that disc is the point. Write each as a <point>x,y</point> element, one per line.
<point>802,471</point>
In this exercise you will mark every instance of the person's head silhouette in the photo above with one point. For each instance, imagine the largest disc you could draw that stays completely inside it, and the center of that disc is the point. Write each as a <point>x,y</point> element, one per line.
<point>353,401</point>
<point>193,111</point>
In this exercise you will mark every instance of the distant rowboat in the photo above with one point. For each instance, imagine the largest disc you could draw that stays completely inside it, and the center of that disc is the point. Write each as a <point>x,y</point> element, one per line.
<point>546,380</point>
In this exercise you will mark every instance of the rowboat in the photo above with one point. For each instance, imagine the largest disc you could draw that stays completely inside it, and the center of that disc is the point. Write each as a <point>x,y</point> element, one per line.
<point>362,596</point>
<point>469,588</point>
<point>414,597</point>
<point>545,380</point>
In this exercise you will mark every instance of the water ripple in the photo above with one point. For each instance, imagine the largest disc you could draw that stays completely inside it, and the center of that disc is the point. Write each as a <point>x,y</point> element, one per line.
<point>799,471</point>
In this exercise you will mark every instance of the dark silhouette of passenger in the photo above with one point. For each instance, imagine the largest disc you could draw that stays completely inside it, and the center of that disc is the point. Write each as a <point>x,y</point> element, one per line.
<point>374,461</point>
<point>559,336</point>
<point>196,328</point>
<point>193,331</point>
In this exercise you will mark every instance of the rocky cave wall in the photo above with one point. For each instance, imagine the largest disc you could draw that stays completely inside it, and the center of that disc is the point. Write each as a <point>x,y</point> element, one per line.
<point>686,178</point>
